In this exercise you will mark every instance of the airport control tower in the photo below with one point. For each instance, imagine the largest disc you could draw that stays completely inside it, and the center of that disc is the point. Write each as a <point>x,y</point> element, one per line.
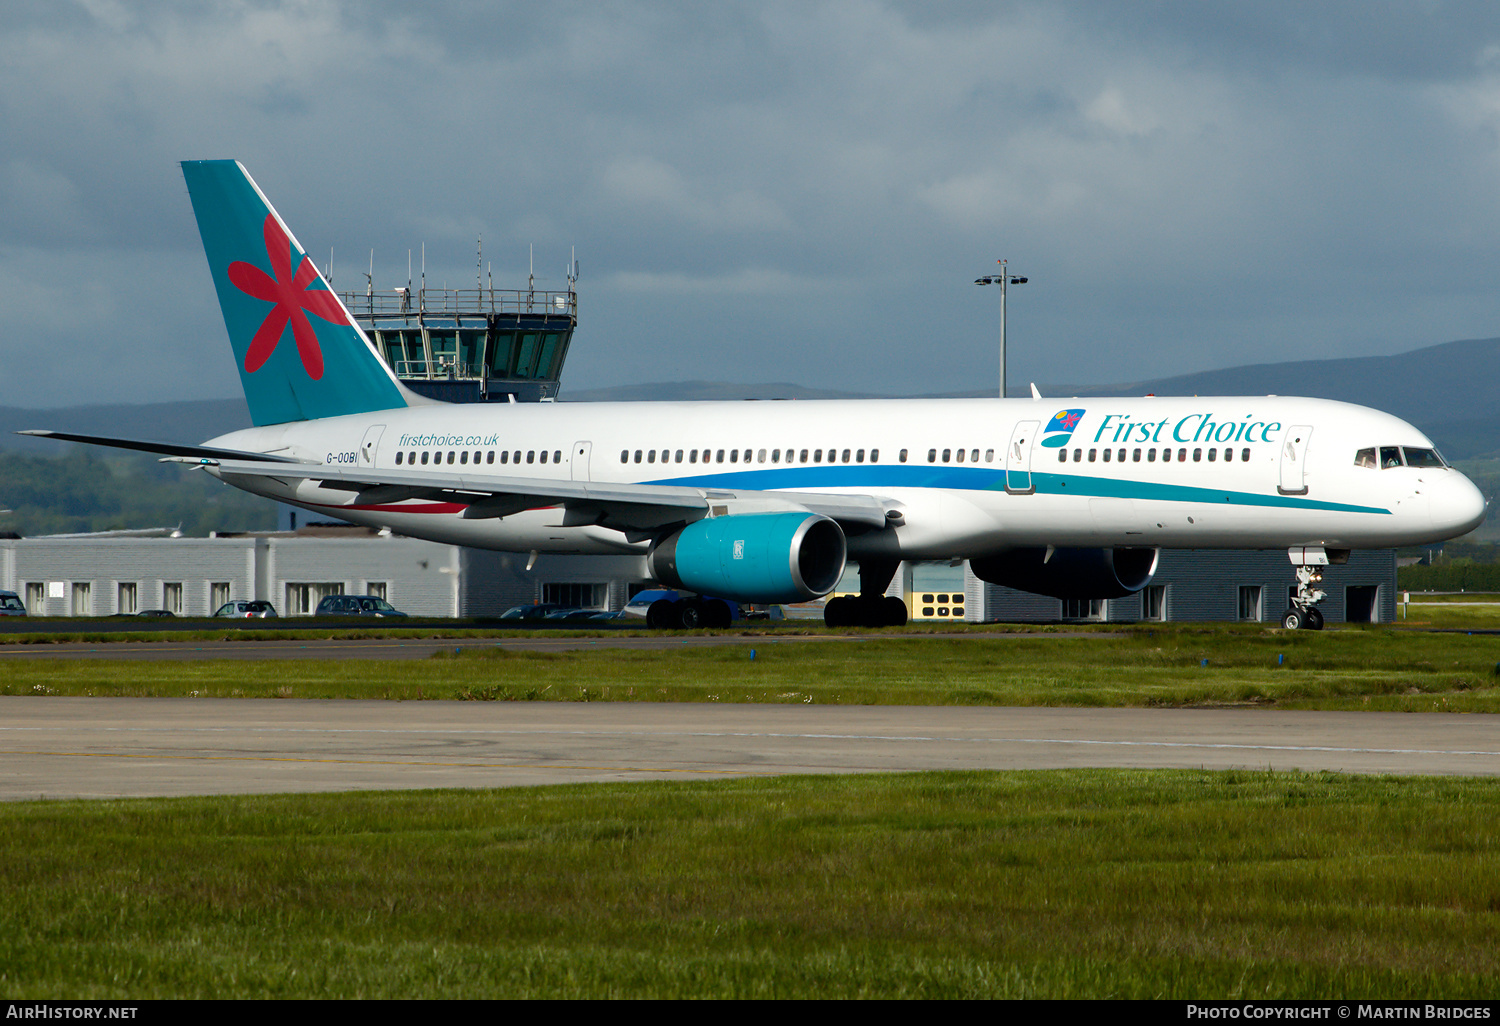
<point>471,345</point>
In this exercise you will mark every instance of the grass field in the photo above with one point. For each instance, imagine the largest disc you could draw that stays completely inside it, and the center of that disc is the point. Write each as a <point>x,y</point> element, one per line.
<point>1374,668</point>
<point>1047,884</point>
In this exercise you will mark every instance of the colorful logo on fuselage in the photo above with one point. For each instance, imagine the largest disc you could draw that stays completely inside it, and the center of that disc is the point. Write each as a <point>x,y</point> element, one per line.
<point>291,295</point>
<point>1060,428</point>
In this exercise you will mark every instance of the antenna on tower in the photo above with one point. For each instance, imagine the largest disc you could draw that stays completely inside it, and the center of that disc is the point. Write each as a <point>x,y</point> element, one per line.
<point>370,277</point>
<point>479,263</point>
<point>330,267</point>
<point>531,275</point>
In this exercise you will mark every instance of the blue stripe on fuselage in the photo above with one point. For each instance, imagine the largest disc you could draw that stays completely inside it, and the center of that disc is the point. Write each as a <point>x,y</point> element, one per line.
<point>871,477</point>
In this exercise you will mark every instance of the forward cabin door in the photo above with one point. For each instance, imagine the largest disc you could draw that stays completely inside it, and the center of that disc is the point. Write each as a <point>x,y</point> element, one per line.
<point>579,462</point>
<point>368,447</point>
<point>1294,460</point>
<point>1018,458</point>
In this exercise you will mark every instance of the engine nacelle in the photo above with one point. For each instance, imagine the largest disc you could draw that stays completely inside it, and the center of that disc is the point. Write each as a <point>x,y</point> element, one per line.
<point>1070,573</point>
<point>753,557</point>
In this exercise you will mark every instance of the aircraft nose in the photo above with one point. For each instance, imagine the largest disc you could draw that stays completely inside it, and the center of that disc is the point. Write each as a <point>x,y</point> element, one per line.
<point>1458,506</point>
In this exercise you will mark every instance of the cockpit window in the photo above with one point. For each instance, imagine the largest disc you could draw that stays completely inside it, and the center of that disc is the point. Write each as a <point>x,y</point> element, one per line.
<point>1365,458</point>
<point>1390,456</point>
<point>1422,457</point>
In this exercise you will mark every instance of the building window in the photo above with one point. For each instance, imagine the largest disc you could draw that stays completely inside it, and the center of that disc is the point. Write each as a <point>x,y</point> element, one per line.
<point>576,596</point>
<point>83,603</point>
<point>1249,599</point>
<point>218,594</point>
<point>302,599</point>
<point>376,589</point>
<point>1083,609</point>
<point>125,598</point>
<point>36,598</point>
<point>171,597</point>
<point>1154,602</point>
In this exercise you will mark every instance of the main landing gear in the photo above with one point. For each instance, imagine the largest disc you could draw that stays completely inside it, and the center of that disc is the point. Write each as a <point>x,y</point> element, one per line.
<point>687,614</point>
<point>873,607</point>
<point>1304,613</point>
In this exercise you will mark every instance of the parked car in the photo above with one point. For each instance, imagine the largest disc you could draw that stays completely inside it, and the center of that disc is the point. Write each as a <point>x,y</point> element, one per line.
<point>357,605</point>
<point>536,611</point>
<point>246,608</point>
<point>11,604</point>
<point>160,614</point>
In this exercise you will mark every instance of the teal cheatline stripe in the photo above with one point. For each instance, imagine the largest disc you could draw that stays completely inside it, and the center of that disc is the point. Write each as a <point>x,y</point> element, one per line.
<point>872,477</point>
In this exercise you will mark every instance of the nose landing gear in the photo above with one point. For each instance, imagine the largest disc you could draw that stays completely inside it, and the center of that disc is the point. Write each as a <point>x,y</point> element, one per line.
<point>1309,561</point>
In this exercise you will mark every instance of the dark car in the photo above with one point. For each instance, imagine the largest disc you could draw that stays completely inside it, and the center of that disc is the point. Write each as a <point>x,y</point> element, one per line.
<point>11,604</point>
<point>246,608</point>
<point>537,611</point>
<point>357,605</point>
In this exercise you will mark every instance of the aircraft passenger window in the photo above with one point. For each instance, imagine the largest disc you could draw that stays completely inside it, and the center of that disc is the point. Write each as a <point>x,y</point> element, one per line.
<point>1120,456</point>
<point>817,455</point>
<point>489,457</point>
<point>1181,455</point>
<point>974,457</point>
<point>760,457</point>
<point>775,455</point>
<point>1077,455</point>
<point>1091,454</point>
<point>398,459</point>
<point>556,456</point>
<point>1365,458</point>
<point>638,455</point>
<point>531,456</point>
<point>650,455</point>
<point>464,456</point>
<point>846,455</point>
<point>902,457</point>
<point>677,456</point>
<point>859,456</point>
<point>1244,455</point>
<point>1228,454</point>
<point>517,457</point>
<point>450,458</point>
<point>719,458</point>
<point>424,458</point>
<point>624,456</point>
<point>1390,456</point>
<point>1422,457</point>
<point>1136,456</point>
<point>960,455</point>
<point>1106,455</point>
<point>802,456</point>
<point>989,456</point>
<point>505,456</point>
<point>947,455</point>
<point>734,455</point>
<point>1062,455</point>
<point>1197,455</point>
<point>544,455</point>
<point>874,455</point>
<point>1213,454</point>
<point>1150,455</point>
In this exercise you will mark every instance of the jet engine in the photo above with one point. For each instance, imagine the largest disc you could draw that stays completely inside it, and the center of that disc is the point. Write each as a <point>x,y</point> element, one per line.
<point>1070,573</point>
<point>753,557</point>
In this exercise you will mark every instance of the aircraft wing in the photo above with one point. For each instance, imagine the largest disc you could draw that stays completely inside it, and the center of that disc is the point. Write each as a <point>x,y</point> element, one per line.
<point>627,507</point>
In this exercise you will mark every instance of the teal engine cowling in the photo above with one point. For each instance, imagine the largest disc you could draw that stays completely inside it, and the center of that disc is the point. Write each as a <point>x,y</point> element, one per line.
<point>753,557</point>
<point>1070,573</point>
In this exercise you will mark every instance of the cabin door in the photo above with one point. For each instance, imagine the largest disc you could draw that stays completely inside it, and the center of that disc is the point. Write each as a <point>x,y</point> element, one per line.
<point>368,447</point>
<point>1018,458</point>
<point>579,462</point>
<point>1294,460</point>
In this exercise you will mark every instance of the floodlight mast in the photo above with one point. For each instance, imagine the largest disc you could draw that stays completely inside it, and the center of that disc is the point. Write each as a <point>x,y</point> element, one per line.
<point>1002,279</point>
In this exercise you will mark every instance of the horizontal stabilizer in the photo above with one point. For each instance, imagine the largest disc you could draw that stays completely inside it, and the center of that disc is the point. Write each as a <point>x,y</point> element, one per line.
<point>162,448</point>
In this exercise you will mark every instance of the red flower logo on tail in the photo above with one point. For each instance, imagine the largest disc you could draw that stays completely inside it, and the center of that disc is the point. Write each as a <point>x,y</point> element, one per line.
<point>291,296</point>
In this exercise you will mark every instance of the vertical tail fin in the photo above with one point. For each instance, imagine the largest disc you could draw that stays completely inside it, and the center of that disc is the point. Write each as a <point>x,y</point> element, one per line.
<point>299,353</point>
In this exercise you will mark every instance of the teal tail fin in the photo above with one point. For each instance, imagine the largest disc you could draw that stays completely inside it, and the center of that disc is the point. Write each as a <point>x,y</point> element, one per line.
<point>300,355</point>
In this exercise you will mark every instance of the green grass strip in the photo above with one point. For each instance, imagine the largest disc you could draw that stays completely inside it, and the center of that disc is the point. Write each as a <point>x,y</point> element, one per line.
<point>1081,883</point>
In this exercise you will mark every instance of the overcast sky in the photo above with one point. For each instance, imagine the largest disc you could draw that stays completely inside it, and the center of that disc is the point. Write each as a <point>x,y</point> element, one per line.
<point>768,191</point>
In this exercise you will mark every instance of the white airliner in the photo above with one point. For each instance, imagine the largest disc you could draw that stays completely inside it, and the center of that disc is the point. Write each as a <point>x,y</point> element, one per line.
<point>765,501</point>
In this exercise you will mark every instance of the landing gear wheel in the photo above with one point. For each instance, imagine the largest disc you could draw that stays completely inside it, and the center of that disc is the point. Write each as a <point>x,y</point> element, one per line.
<point>1293,619</point>
<point>692,616</point>
<point>660,615</point>
<point>717,613</point>
<point>895,611</point>
<point>840,612</point>
<point>1314,619</point>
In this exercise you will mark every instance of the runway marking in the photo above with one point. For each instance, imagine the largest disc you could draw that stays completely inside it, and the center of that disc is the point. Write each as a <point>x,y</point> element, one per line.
<point>1214,745</point>
<point>397,762</point>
